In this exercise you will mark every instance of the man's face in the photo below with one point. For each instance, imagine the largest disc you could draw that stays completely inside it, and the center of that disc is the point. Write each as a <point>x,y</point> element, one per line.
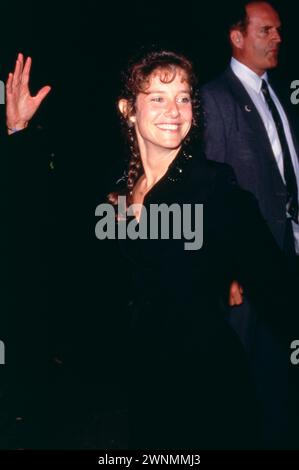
<point>260,42</point>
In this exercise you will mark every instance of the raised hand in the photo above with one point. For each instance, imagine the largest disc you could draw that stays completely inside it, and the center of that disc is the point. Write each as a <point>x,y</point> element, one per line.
<point>20,105</point>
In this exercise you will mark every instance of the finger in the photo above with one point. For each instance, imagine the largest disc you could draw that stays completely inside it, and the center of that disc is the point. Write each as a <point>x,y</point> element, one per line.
<point>9,83</point>
<point>238,299</point>
<point>234,288</point>
<point>41,95</point>
<point>235,301</point>
<point>18,59</point>
<point>232,300</point>
<point>26,71</point>
<point>17,73</point>
<point>21,59</point>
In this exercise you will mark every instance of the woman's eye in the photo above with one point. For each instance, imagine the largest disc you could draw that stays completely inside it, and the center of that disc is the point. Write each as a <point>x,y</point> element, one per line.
<point>157,99</point>
<point>184,99</point>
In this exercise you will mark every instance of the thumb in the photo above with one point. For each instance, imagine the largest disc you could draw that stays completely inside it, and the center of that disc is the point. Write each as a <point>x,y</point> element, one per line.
<point>41,95</point>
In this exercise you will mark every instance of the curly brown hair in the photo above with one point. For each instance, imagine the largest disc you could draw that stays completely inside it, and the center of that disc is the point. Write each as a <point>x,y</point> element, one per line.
<point>135,79</point>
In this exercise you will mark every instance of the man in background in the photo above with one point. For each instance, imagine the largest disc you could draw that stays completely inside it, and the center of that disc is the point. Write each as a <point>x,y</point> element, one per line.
<point>247,126</point>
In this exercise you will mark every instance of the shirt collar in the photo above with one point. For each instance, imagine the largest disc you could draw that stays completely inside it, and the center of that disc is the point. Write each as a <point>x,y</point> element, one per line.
<point>248,76</point>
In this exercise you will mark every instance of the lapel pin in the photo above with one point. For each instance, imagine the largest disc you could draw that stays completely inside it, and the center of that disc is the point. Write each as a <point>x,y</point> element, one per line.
<point>247,108</point>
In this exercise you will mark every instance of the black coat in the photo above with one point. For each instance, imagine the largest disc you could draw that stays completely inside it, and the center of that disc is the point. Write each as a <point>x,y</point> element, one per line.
<point>191,386</point>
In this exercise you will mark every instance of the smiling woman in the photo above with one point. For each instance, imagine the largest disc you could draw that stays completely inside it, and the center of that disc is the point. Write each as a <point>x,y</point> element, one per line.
<point>190,387</point>
<point>163,112</point>
<point>158,106</point>
<point>162,120</point>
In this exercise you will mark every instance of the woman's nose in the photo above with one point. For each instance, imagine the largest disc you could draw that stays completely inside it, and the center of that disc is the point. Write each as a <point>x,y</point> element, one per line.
<point>172,109</point>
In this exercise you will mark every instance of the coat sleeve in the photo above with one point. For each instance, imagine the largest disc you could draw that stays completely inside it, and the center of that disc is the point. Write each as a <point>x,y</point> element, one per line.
<point>26,163</point>
<point>214,139</point>
<point>269,278</point>
<point>25,244</point>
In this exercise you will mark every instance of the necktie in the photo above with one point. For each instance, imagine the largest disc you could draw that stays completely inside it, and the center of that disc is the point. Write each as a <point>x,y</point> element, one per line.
<point>288,169</point>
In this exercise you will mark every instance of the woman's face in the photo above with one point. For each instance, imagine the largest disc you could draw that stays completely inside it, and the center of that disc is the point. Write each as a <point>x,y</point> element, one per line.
<point>163,115</point>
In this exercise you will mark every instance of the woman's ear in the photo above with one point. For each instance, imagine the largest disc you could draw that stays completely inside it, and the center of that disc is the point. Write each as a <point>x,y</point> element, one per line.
<point>124,107</point>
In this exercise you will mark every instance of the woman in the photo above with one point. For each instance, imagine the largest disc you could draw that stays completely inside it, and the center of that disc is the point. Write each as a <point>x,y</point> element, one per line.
<point>190,385</point>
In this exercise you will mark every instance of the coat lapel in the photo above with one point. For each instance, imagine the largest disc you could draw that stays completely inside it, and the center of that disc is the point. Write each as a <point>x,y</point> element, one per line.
<point>285,100</point>
<point>252,117</point>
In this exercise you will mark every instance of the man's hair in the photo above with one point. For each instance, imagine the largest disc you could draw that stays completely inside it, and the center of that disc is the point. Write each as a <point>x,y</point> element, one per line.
<point>239,19</point>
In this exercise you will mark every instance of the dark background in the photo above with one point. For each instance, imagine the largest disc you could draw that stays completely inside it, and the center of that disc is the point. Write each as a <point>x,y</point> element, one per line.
<point>79,48</point>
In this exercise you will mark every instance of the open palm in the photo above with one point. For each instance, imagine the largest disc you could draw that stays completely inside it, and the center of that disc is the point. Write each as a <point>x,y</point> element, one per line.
<point>20,105</point>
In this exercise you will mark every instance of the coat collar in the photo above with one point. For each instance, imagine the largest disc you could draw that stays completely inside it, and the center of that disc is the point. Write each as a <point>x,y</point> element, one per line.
<point>175,172</point>
<point>247,76</point>
<point>178,166</point>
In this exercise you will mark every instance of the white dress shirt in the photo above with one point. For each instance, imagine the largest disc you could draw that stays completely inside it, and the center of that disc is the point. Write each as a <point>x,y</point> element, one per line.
<point>253,84</point>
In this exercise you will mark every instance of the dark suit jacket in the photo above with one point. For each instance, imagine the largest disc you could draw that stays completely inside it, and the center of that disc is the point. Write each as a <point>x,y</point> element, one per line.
<point>235,134</point>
